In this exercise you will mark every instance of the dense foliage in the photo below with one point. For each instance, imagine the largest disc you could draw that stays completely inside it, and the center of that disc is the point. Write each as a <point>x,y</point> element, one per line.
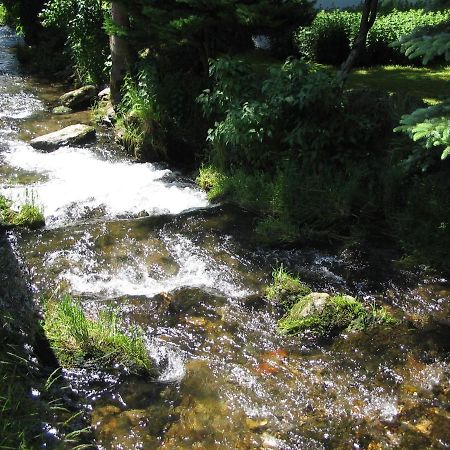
<point>330,36</point>
<point>87,43</point>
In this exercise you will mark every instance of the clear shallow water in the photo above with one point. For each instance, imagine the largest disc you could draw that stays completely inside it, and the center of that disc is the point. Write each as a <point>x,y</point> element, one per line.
<point>192,278</point>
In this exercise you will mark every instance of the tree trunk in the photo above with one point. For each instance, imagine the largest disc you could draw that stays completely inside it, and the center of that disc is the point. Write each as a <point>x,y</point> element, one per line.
<point>120,52</point>
<point>369,15</point>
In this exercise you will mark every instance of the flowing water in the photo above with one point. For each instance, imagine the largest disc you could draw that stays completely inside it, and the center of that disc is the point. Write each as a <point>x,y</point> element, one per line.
<point>144,239</point>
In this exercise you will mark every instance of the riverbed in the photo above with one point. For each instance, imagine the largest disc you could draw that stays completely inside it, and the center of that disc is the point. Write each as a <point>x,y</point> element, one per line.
<point>142,238</point>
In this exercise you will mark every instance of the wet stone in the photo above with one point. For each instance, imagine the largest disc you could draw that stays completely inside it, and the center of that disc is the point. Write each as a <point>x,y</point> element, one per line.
<point>61,110</point>
<point>78,97</point>
<point>72,135</point>
<point>194,301</point>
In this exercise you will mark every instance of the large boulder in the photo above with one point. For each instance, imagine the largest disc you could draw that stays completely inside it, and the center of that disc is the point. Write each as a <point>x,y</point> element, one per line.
<point>72,135</point>
<point>79,97</point>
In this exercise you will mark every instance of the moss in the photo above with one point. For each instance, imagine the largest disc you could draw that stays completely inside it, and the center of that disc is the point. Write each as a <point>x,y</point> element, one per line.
<point>286,290</point>
<point>77,339</point>
<point>333,315</point>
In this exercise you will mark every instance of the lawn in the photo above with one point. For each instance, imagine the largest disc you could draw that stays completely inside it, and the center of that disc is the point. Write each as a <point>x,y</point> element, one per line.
<point>430,84</point>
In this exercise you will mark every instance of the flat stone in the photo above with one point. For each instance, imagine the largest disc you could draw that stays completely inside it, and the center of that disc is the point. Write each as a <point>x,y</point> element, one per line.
<point>62,110</point>
<point>78,97</point>
<point>72,135</point>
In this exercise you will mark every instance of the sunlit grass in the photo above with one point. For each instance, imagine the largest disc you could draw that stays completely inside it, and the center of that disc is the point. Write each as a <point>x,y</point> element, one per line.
<point>77,339</point>
<point>430,84</point>
<point>29,214</point>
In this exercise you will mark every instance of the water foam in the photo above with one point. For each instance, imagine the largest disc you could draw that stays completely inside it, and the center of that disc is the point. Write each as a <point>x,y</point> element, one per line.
<point>132,277</point>
<point>80,181</point>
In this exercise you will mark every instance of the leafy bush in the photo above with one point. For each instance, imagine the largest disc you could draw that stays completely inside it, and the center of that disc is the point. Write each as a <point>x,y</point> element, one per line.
<point>140,121</point>
<point>332,33</point>
<point>329,38</point>
<point>262,117</point>
<point>87,43</point>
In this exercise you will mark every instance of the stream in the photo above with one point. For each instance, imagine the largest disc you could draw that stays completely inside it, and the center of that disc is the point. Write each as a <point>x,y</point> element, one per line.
<point>144,239</point>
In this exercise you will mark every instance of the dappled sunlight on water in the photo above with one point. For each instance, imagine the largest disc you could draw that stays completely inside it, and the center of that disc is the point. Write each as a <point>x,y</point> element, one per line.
<point>144,240</point>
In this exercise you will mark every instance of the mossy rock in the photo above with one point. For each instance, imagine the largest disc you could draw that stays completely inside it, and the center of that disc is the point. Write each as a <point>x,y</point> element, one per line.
<point>286,290</point>
<point>323,316</point>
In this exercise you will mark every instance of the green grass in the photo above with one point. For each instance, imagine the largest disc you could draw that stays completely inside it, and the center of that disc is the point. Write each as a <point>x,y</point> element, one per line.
<point>77,339</point>
<point>430,84</point>
<point>285,289</point>
<point>29,215</point>
<point>17,420</point>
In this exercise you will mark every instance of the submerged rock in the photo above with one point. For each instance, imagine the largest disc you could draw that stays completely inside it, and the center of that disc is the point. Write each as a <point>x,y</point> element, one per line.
<point>61,110</point>
<point>79,97</point>
<point>72,135</point>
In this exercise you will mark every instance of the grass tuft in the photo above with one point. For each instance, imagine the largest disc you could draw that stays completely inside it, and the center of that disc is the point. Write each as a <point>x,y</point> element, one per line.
<point>286,290</point>
<point>77,339</point>
<point>29,214</point>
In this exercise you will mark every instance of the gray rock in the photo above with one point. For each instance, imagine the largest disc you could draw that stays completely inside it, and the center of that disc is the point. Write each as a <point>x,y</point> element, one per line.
<point>73,135</point>
<point>105,94</point>
<point>313,303</point>
<point>62,110</point>
<point>78,97</point>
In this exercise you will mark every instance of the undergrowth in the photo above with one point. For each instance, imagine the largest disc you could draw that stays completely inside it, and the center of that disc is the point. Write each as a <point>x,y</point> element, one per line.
<point>140,120</point>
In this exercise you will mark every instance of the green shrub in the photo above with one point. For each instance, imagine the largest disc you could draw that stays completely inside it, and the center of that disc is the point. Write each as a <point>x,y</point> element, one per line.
<point>329,38</point>
<point>87,43</point>
<point>140,119</point>
<point>261,117</point>
<point>76,338</point>
<point>331,34</point>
